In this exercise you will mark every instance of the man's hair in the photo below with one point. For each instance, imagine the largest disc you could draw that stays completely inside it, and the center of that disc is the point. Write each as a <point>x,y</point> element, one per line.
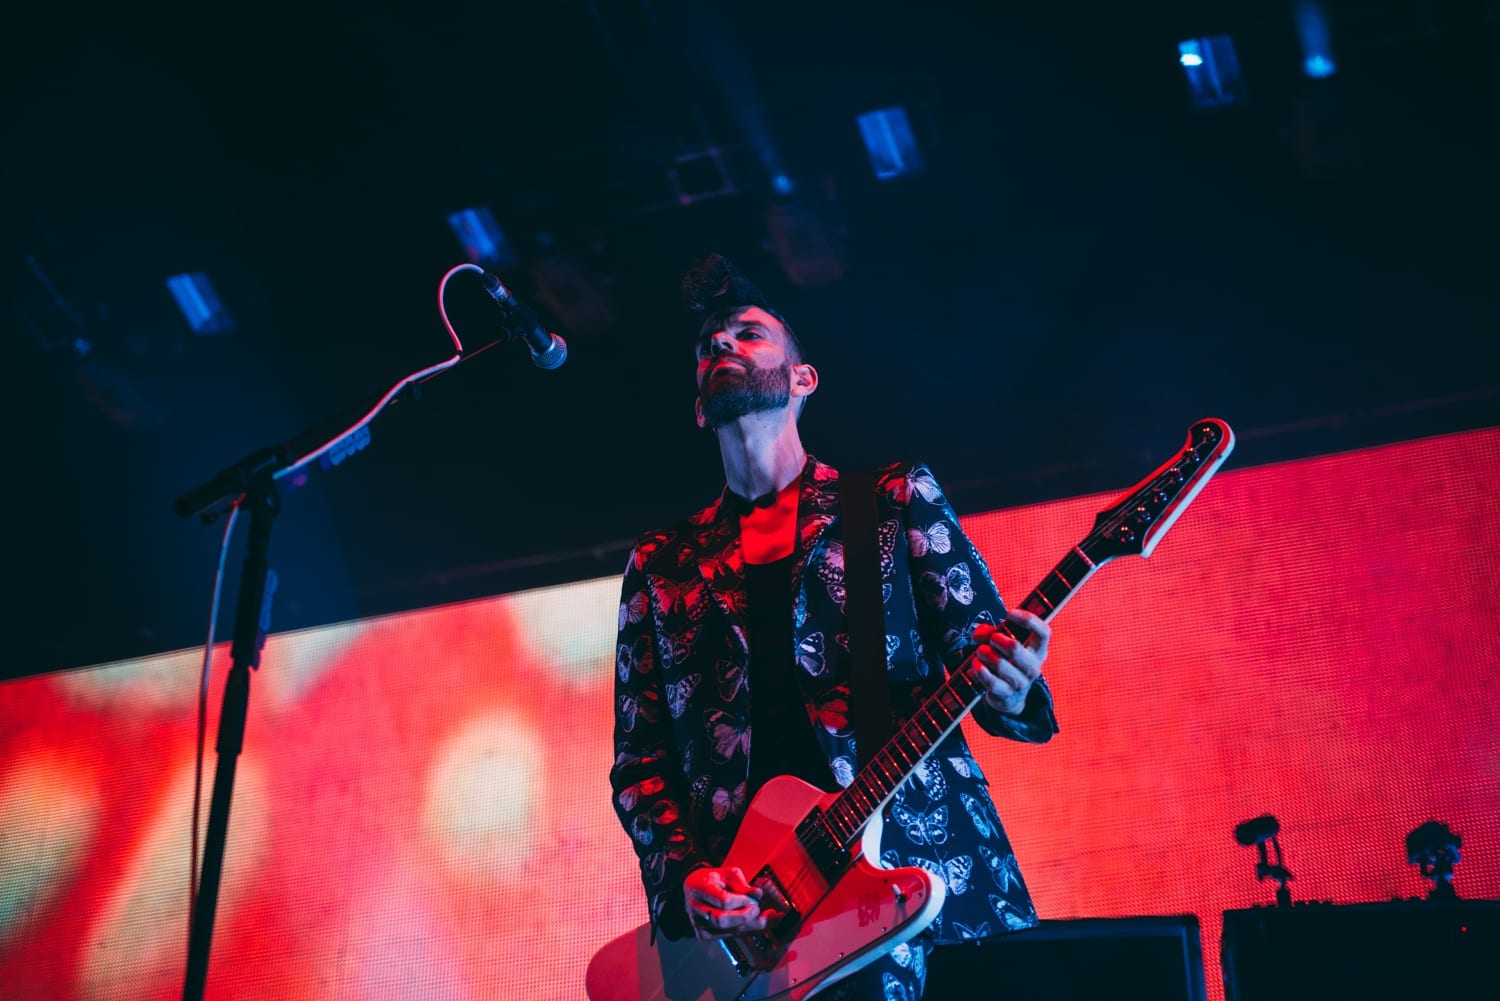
<point>714,288</point>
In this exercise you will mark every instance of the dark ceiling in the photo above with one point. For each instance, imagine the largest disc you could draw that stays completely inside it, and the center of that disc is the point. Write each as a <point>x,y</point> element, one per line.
<point>1086,267</point>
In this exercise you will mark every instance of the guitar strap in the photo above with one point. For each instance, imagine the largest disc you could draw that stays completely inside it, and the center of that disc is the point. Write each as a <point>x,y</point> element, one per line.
<point>869,696</point>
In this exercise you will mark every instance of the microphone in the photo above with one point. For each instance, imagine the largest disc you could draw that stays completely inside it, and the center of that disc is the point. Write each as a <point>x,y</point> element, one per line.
<point>547,350</point>
<point>1256,830</point>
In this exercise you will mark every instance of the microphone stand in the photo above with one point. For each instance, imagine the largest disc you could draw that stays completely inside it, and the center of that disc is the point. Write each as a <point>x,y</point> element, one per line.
<point>252,619</point>
<point>254,478</point>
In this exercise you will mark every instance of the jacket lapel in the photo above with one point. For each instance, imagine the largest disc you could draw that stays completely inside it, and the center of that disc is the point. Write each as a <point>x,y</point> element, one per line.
<point>715,539</point>
<point>817,508</point>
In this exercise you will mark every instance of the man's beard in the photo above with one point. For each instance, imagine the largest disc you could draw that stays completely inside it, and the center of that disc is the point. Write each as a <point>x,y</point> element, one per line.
<point>752,391</point>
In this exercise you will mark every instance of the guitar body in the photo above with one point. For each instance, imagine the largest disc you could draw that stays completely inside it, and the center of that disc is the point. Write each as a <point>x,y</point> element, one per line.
<point>838,928</point>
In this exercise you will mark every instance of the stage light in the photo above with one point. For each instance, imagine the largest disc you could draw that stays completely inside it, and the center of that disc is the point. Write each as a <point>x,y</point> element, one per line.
<point>1433,849</point>
<point>1317,45</point>
<point>1257,831</point>
<point>783,185</point>
<point>1212,71</point>
<point>890,143</point>
<point>482,239</point>
<point>701,175</point>
<point>200,304</point>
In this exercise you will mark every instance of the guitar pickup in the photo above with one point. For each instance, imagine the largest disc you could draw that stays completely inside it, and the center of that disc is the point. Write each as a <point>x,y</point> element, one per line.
<point>760,950</point>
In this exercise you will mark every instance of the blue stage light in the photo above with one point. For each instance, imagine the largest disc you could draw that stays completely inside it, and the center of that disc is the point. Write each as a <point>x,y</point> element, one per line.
<point>200,304</point>
<point>783,185</point>
<point>890,142</point>
<point>1317,40</point>
<point>483,241</point>
<point>1212,71</point>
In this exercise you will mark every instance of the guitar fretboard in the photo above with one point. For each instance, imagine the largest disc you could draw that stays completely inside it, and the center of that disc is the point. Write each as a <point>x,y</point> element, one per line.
<point>877,782</point>
<point>1133,525</point>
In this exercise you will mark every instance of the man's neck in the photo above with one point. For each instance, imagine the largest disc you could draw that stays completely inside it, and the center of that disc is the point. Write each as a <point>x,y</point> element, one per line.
<point>760,457</point>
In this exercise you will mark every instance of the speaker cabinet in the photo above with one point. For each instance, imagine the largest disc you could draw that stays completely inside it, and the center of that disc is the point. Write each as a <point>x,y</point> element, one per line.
<point>1072,960</point>
<point>1401,949</point>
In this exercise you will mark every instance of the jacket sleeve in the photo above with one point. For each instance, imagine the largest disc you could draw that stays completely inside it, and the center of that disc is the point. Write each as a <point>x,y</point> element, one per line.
<point>955,592</point>
<point>646,779</point>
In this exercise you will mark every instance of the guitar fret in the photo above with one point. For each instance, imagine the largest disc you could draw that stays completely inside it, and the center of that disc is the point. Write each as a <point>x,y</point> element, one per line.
<point>901,747</point>
<point>967,682</point>
<point>956,705</point>
<point>848,820</point>
<point>1054,594</point>
<point>938,731</point>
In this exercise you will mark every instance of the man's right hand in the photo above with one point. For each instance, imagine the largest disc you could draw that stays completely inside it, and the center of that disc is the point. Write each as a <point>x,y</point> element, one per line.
<point>720,902</point>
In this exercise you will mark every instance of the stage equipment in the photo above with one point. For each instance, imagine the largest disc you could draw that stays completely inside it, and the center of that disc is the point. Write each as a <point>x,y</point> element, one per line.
<point>1213,72</point>
<point>889,141</point>
<point>1316,39</point>
<point>547,349</point>
<point>482,239</point>
<point>702,174</point>
<point>1082,959</point>
<point>251,485</point>
<point>200,304</point>
<point>1433,849</point>
<point>1372,952</point>
<point>1257,831</point>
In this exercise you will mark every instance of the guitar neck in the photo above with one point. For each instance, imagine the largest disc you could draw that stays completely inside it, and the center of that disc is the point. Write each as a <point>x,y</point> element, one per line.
<point>878,781</point>
<point>1133,525</point>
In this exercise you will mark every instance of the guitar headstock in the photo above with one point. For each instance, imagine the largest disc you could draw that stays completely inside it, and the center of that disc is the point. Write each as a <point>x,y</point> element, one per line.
<point>1136,522</point>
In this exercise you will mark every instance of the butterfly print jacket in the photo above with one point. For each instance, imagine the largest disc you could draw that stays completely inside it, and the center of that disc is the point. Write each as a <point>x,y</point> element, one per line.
<point>682,704</point>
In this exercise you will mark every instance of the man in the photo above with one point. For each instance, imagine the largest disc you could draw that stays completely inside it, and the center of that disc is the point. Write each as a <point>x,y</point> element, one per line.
<point>732,663</point>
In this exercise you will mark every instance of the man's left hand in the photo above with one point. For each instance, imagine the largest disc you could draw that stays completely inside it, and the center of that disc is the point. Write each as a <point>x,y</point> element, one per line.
<point>1006,667</point>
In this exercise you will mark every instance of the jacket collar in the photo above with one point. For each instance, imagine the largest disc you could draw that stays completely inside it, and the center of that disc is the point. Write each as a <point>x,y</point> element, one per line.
<point>715,539</point>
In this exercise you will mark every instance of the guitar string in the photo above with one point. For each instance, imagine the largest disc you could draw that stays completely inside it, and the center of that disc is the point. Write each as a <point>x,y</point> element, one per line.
<point>841,820</point>
<point>1174,475</point>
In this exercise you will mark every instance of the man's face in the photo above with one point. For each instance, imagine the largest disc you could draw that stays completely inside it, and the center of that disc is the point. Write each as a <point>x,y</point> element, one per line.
<point>743,366</point>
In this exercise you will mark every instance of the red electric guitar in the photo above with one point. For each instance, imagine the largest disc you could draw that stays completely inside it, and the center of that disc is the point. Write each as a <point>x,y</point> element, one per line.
<point>813,854</point>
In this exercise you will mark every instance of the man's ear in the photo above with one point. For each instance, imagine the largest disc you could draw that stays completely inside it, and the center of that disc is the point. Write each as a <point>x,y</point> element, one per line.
<point>698,411</point>
<point>804,379</point>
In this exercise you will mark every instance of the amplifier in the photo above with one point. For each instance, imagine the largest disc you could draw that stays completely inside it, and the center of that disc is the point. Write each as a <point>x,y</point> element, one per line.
<point>1072,960</point>
<point>1401,949</point>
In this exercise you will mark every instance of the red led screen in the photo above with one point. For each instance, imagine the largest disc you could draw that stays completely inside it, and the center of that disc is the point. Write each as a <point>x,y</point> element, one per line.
<point>422,807</point>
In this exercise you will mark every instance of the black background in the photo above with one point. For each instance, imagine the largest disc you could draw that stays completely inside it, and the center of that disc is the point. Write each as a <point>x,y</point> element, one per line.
<point>1087,266</point>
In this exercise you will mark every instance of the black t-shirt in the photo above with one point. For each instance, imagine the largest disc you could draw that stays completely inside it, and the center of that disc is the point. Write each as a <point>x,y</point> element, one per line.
<point>781,734</point>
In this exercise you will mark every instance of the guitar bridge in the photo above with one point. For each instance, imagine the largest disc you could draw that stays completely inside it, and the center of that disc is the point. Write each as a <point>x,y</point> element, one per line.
<point>760,950</point>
